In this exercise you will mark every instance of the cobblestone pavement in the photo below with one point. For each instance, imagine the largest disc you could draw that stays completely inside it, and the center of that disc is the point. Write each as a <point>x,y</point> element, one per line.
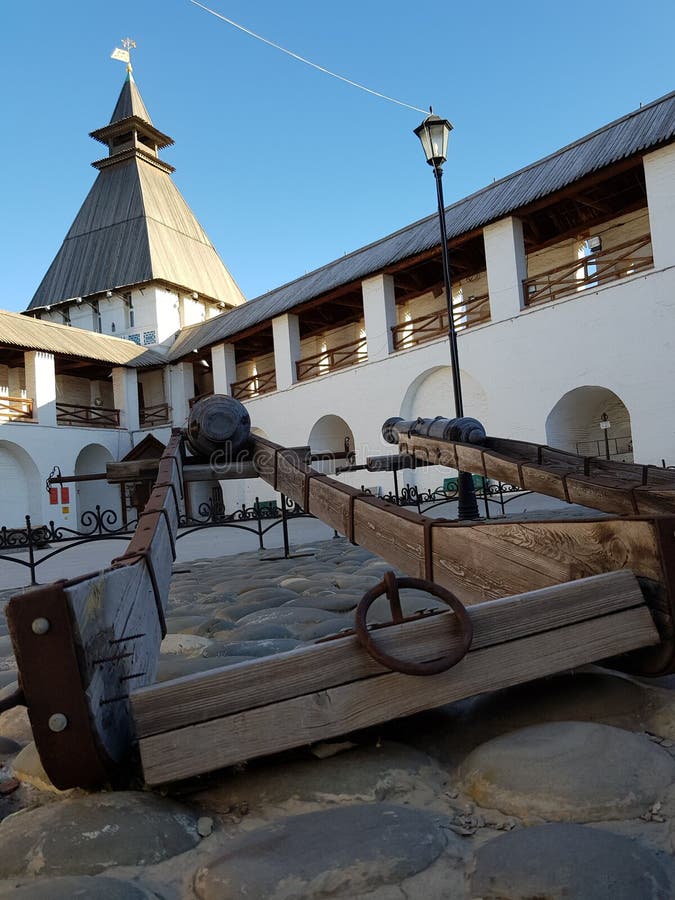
<point>563,787</point>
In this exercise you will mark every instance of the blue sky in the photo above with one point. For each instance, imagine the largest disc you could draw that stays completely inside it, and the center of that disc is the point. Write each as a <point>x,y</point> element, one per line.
<point>285,167</point>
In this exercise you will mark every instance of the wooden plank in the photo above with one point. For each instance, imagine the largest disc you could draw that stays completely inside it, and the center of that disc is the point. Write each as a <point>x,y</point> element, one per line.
<point>328,713</point>
<point>504,469</point>
<point>610,486</point>
<point>479,560</point>
<point>496,558</point>
<point>116,620</point>
<point>114,624</point>
<point>208,695</point>
<point>547,480</point>
<point>117,631</point>
<point>132,470</point>
<point>604,493</point>
<point>470,459</point>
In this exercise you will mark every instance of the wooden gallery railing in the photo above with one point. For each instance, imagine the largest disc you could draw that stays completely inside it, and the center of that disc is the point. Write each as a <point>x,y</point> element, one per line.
<point>193,400</point>
<point>466,314</point>
<point>331,359</point>
<point>14,409</point>
<point>154,415</point>
<point>591,271</point>
<point>260,383</point>
<point>87,416</point>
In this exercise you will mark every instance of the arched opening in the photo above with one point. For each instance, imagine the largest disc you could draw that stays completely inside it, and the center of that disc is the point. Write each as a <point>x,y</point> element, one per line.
<point>92,460</point>
<point>591,421</point>
<point>20,481</point>
<point>332,437</point>
<point>431,394</point>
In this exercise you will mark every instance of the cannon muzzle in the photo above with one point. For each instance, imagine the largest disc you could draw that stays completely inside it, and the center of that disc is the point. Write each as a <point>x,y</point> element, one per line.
<point>466,430</point>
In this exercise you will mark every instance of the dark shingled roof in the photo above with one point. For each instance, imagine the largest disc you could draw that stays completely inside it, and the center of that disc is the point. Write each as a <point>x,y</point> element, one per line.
<point>130,103</point>
<point>641,130</point>
<point>134,227</point>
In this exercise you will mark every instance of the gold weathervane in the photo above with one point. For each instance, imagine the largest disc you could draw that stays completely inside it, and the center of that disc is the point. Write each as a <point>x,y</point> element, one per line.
<point>124,54</point>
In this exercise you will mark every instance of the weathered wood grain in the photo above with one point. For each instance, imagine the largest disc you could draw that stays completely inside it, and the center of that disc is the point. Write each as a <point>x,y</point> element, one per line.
<point>615,487</point>
<point>115,620</point>
<point>480,560</point>
<point>208,695</point>
<point>328,713</point>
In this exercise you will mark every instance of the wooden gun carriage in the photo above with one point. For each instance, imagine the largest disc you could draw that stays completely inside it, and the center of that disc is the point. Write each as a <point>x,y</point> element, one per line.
<point>513,600</point>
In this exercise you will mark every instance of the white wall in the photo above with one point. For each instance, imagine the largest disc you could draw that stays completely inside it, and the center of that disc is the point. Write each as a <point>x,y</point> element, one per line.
<point>514,372</point>
<point>49,446</point>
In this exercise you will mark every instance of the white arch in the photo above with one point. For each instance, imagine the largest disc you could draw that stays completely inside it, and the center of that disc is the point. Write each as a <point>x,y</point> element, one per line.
<point>20,479</point>
<point>431,394</point>
<point>91,460</point>
<point>330,434</point>
<point>574,423</point>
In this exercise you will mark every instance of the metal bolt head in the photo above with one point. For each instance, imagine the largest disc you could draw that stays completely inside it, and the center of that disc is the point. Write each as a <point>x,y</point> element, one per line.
<point>40,626</point>
<point>57,722</point>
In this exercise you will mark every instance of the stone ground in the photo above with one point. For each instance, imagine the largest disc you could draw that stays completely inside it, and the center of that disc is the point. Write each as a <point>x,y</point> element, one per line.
<point>562,788</point>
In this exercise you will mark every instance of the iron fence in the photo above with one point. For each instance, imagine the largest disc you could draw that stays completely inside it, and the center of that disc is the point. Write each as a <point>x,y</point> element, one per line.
<point>102,525</point>
<point>21,545</point>
<point>490,492</point>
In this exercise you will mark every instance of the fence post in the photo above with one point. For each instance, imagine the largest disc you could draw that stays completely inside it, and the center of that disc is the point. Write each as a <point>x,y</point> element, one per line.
<point>486,502</point>
<point>256,507</point>
<point>31,552</point>
<point>284,525</point>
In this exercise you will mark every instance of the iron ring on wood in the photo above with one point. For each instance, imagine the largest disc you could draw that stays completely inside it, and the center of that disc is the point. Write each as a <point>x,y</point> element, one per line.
<point>391,586</point>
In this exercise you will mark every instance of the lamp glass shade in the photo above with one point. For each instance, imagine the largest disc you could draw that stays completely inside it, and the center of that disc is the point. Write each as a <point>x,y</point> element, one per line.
<point>433,134</point>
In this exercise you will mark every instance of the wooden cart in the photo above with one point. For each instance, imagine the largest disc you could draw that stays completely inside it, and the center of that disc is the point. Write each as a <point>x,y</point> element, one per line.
<point>514,600</point>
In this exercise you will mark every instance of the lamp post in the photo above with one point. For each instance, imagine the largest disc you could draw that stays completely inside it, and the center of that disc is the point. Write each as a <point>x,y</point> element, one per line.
<point>433,134</point>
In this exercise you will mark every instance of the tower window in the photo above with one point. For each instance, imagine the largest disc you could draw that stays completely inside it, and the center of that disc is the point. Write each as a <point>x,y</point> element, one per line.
<point>97,317</point>
<point>130,310</point>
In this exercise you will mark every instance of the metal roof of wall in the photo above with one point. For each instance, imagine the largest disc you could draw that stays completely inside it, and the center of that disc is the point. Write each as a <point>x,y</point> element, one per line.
<point>641,130</point>
<point>26,333</point>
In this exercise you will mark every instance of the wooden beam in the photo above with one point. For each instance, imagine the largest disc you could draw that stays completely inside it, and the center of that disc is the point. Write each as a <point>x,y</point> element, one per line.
<point>113,623</point>
<point>615,487</point>
<point>210,695</point>
<point>484,560</point>
<point>327,713</point>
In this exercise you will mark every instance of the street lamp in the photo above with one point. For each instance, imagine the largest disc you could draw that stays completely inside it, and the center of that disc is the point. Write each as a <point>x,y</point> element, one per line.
<point>433,134</point>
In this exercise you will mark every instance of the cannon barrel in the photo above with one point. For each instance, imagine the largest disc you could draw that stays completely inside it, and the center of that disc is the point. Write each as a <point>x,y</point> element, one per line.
<point>218,424</point>
<point>466,430</point>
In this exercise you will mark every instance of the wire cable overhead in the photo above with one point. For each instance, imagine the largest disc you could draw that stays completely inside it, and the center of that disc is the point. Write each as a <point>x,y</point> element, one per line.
<point>307,62</point>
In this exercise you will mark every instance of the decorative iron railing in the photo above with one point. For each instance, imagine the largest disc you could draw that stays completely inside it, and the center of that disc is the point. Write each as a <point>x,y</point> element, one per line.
<point>97,525</point>
<point>16,409</point>
<point>43,542</point>
<point>254,385</point>
<point>331,359</point>
<point>591,271</point>
<point>495,492</point>
<point>155,415</point>
<point>87,416</point>
<point>466,314</point>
